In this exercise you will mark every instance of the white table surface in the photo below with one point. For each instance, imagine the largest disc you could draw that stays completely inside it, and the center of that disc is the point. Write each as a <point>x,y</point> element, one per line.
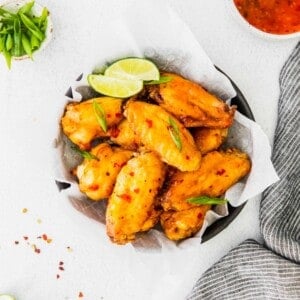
<point>31,98</point>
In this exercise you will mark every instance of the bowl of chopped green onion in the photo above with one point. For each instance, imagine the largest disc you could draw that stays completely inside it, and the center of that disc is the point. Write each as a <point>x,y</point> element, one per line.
<point>25,28</point>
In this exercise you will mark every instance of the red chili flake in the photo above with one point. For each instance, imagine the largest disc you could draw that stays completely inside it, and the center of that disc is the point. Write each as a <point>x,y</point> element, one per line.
<point>25,238</point>
<point>114,131</point>
<point>220,172</point>
<point>24,210</point>
<point>44,236</point>
<point>107,174</point>
<point>149,123</point>
<point>69,249</point>
<point>125,197</point>
<point>118,115</point>
<point>187,157</point>
<point>61,268</point>
<point>37,250</point>
<point>108,116</point>
<point>131,173</point>
<point>136,191</point>
<point>17,242</point>
<point>199,216</point>
<point>94,187</point>
<point>61,263</point>
<point>117,165</point>
<point>57,276</point>
<point>80,295</point>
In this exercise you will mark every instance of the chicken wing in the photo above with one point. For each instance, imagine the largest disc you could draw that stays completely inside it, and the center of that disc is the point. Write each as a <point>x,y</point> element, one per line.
<point>132,205</point>
<point>97,177</point>
<point>191,104</point>
<point>80,124</point>
<point>153,129</point>
<point>209,139</point>
<point>178,225</point>
<point>217,173</point>
<point>124,136</point>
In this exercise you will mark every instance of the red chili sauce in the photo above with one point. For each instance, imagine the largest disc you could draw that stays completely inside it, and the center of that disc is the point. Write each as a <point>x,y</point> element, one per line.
<point>272,16</point>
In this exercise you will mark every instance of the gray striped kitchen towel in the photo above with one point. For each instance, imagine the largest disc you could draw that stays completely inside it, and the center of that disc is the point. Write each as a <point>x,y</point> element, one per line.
<point>269,271</point>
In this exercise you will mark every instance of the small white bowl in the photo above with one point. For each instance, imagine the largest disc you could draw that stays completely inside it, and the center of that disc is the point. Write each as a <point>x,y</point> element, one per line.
<point>14,5</point>
<point>241,20</point>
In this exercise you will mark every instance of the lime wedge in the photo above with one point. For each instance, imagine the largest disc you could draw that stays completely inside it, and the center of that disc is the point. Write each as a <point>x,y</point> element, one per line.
<point>133,68</point>
<point>114,87</point>
<point>7,297</point>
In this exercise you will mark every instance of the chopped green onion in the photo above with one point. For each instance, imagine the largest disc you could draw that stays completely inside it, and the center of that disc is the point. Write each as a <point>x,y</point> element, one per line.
<point>17,37</point>
<point>26,8</point>
<point>175,133</point>
<point>9,42</point>
<point>100,115</point>
<point>162,79</point>
<point>34,42</point>
<point>26,45</point>
<point>84,154</point>
<point>7,57</point>
<point>32,27</point>
<point>204,200</point>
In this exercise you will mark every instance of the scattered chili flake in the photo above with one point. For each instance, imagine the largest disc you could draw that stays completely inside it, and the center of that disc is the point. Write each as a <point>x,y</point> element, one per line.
<point>61,268</point>
<point>17,242</point>
<point>25,237</point>
<point>187,157</point>
<point>136,191</point>
<point>114,131</point>
<point>36,250</point>
<point>44,236</point>
<point>94,187</point>
<point>57,276</point>
<point>119,165</point>
<point>108,116</point>
<point>220,172</point>
<point>125,197</point>
<point>80,295</point>
<point>199,216</point>
<point>24,210</point>
<point>118,115</point>
<point>107,174</point>
<point>131,173</point>
<point>149,123</point>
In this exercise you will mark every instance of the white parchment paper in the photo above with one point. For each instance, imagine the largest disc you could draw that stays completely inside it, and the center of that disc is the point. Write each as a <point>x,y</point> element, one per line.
<point>158,33</point>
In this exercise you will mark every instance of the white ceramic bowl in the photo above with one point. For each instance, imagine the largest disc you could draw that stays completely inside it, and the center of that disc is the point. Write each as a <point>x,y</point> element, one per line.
<point>14,5</point>
<point>241,20</point>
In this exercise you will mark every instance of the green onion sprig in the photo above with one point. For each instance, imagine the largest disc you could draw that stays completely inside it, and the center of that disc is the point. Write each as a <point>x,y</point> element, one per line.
<point>21,33</point>
<point>204,200</point>
<point>175,133</point>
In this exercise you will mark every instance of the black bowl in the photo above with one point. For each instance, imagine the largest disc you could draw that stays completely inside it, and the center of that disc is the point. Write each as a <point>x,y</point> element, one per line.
<point>243,107</point>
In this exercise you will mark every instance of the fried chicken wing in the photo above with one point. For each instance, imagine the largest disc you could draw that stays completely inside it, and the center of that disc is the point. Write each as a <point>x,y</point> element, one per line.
<point>80,124</point>
<point>178,225</point>
<point>152,127</point>
<point>217,173</point>
<point>97,177</point>
<point>209,139</point>
<point>124,136</point>
<point>191,103</point>
<point>132,205</point>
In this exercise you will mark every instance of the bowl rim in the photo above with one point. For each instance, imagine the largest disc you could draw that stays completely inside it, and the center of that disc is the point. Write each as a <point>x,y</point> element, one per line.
<point>254,30</point>
<point>214,229</point>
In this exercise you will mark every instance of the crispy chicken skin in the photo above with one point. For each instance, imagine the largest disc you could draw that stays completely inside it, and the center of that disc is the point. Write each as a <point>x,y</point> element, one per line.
<point>124,136</point>
<point>151,124</point>
<point>217,173</point>
<point>131,207</point>
<point>209,139</point>
<point>191,104</point>
<point>97,177</point>
<point>178,225</point>
<point>79,122</point>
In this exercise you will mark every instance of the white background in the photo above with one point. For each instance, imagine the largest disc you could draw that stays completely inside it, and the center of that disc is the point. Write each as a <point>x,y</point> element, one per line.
<point>31,96</point>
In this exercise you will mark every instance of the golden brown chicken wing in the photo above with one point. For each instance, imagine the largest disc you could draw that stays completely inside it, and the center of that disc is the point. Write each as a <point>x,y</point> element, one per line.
<point>156,130</point>
<point>178,225</point>
<point>97,177</point>
<point>80,124</point>
<point>191,104</point>
<point>218,172</point>
<point>132,205</point>
<point>209,139</point>
<point>124,136</point>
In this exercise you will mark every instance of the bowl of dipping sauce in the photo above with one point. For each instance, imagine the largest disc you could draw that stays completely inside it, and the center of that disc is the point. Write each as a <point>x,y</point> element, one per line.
<point>279,19</point>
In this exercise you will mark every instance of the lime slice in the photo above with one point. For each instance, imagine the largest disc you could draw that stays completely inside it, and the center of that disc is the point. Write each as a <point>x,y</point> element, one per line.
<point>133,68</point>
<point>114,87</point>
<point>7,297</point>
